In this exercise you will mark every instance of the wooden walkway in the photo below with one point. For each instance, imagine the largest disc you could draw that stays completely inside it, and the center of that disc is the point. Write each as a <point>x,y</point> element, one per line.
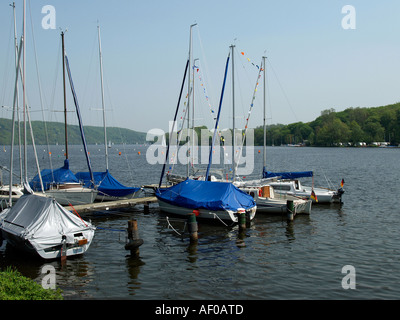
<point>111,205</point>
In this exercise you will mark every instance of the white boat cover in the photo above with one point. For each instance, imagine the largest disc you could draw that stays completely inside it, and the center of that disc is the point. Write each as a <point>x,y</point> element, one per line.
<point>43,221</point>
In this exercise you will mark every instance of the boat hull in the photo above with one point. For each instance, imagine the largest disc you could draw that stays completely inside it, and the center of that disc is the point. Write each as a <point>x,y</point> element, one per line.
<point>224,215</point>
<point>265,205</point>
<point>103,197</point>
<point>74,196</point>
<point>51,252</point>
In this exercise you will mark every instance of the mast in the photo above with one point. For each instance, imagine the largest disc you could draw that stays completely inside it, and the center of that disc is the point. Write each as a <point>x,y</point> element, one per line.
<point>264,117</point>
<point>173,124</point>
<point>188,101</point>
<point>24,93</point>
<point>233,115</point>
<point>13,121</point>
<point>193,131</point>
<point>102,99</point>
<point>216,122</point>
<point>65,98</point>
<point>17,101</point>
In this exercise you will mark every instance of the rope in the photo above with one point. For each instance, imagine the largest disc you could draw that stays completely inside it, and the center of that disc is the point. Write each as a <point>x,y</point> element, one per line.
<point>169,225</point>
<point>216,216</point>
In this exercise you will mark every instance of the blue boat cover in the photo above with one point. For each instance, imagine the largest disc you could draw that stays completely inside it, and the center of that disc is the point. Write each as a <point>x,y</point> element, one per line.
<point>50,177</point>
<point>106,184</point>
<point>209,195</point>
<point>287,175</point>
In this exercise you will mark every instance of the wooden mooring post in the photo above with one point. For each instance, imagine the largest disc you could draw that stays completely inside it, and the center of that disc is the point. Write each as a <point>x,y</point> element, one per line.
<point>242,219</point>
<point>192,226</point>
<point>290,210</point>
<point>134,242</point>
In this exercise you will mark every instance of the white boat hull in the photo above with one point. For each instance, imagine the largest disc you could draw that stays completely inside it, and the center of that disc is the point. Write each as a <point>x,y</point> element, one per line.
<point>269,202</point>
<point>265,205</point>
<point>225,215</point>
<point>102,197</point>
<point>74,196</point>
<point>52,252</point>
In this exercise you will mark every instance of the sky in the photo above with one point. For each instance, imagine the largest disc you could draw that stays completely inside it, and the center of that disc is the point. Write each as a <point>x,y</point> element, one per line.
<point>314,62</point>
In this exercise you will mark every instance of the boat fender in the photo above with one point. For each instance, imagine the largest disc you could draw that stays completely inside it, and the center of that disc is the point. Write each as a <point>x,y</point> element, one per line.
<point>259,193</point>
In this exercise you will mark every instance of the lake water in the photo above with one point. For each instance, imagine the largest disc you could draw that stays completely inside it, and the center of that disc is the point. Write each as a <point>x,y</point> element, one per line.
<point>274,259</point>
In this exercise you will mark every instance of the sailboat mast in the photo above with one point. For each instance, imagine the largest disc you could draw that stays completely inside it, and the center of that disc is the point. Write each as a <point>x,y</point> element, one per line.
<point>102,98</point>
<point>217,121</point>
<point>264,116</point>
<point>188,100</point>
<point>233,116</point>
<point>24,94</point>
<point>65,98</point>
<point>13,121</point>
<point>17,101</point>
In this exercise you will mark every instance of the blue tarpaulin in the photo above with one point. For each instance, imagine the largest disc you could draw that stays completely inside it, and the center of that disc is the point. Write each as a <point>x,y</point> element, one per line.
<point>287,175</point>
<point>209,195</point>
<point>50,177</point>
<point>107,184</point>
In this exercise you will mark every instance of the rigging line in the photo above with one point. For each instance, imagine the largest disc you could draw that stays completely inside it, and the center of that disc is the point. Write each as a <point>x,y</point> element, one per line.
<point>6,62</point>
<point>206,73</point>
<point>127,162</point>
<point>39,84</point>
<point>55,79</point>
<point>283,91</point>
<point>89,72</point>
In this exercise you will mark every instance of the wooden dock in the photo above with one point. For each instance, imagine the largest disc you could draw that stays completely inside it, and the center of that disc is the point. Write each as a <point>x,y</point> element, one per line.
<point>111,205</point>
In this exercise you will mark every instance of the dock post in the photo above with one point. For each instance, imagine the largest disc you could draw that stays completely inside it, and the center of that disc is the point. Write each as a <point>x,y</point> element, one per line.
<point>146,208</point>
<point>192,225</point>
<point>290,210</point>
<point>134,242</point>
<point>242,219</point>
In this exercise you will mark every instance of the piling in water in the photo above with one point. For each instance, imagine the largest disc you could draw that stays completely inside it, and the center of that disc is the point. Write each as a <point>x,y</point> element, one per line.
<point>192,226</point>
<point>242,219</point>
<point>134,242</point>
<point>290,210</point>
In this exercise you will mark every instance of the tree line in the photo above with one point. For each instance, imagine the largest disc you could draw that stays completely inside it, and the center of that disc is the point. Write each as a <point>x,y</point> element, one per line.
<point>349,127</point>
<point>54,133</point>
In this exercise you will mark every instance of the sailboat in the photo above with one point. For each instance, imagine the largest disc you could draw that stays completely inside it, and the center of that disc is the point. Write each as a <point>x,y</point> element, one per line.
<point>289,183</point>
<point>40,225</point>
<point>209,199</point>
<point>61,183</point>
<point>268,201</point>
<point>37,223</point>
<point>108,187</point>
<point>286,184</point>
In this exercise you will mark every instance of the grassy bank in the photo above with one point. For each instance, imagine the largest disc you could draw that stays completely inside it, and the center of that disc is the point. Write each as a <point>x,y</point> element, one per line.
<point>14,286</point>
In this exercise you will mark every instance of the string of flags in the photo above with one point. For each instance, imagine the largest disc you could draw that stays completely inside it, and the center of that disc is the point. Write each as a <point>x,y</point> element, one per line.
<point>199,75</point>
<point>261,69</point>
<point>248,59</point>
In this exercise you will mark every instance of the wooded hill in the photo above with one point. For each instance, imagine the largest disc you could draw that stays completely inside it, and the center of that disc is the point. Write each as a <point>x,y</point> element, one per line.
<point>331,128</point>
<point>55,132</point>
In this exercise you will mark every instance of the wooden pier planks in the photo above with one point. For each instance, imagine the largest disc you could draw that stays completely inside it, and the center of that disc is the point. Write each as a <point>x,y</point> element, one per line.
<point>110,205</point>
